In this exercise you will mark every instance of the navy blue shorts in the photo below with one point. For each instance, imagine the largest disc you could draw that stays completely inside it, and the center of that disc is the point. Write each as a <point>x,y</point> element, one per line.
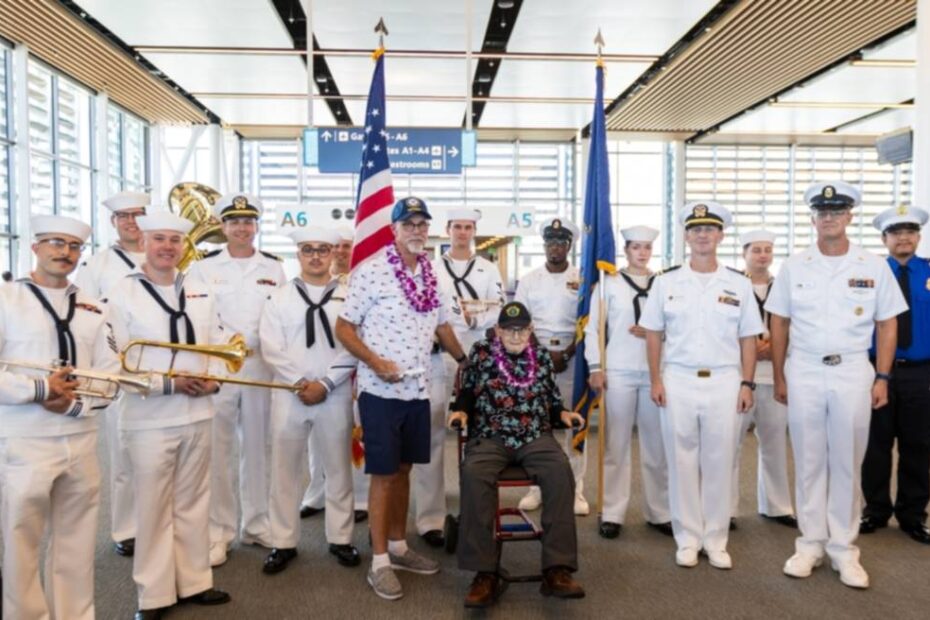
<point>394,431</point>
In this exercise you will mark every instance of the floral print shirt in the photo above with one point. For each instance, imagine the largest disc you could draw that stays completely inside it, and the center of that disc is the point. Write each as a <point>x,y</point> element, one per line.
<point>499,410</point>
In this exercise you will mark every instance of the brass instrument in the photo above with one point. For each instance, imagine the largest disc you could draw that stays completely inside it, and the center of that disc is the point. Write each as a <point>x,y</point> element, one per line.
<point>194,202</point>
<point>112,385</point>
<point>232,353</point>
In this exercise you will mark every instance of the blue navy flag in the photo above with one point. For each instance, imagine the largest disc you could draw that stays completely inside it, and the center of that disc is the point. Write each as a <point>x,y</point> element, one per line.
<point>598,253</point>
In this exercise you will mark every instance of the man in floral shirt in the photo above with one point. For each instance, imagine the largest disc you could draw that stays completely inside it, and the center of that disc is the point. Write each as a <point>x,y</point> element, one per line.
<point>509,391</point>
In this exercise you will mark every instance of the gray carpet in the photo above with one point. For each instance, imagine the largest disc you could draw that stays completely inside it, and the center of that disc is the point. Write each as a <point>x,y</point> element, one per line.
<point>633,576</point>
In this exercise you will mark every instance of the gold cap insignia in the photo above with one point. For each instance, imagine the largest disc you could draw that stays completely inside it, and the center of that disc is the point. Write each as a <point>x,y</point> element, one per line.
<point>241,202</point>
<point>699,211</point>
<point>513,311</point>
<point>413,203</point>
<point>828,192</point>
<point>902,210</point>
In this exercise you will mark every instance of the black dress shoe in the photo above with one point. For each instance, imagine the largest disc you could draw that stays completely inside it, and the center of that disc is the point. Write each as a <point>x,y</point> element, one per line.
<point>277,560</point>
<point>786,520</point>
<point>126,548</point>
<point>207,597</point>
<point>732,524</point>
<point>361,515</point>
<point>868,525</point>
<point>309,511</point>
<point>917,531</point>
<point>346,554</point>
<point>149,614</point>
<point>665,528</point>
<point>608,529</point>
<point>434,538</point>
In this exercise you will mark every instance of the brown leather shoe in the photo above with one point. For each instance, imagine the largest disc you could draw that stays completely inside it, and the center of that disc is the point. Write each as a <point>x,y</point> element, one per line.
<point>558,582</point>
<point>484,591</point>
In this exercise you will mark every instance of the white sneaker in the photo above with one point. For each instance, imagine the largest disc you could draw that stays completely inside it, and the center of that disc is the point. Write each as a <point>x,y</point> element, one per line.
<point>218,552</point>
<point>686,557</point>
<point>720,559</point>
<point>801,565</point>
<point>852,574</point>
<point>532,500</point>
<point>581,505</point>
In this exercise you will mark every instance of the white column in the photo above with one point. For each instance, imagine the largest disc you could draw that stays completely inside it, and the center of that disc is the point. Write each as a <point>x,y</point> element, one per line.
<point>103,232</point>
<point>22,201</point>
<point>921,165</point>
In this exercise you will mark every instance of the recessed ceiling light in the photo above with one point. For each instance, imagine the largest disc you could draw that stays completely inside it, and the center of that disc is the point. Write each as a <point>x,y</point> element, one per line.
<point>505,4</point>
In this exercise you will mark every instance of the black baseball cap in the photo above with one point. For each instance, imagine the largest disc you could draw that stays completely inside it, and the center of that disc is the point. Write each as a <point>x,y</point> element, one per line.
<point>514,314</point>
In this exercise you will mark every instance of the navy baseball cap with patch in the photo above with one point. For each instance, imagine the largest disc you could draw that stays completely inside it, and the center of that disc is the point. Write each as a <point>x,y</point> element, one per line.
<point>514,314</point>
<point>406,208</point>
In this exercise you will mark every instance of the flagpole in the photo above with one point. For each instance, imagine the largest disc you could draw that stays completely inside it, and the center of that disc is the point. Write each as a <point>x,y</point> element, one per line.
<point>602,349</point>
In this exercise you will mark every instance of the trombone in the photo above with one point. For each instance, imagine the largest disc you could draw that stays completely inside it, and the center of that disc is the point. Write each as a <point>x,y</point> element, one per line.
<point>233,353</point>
<point>112,385</point>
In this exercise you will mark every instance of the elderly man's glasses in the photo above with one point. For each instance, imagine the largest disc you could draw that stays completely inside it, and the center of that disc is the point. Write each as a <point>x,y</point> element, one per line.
<point>515,332</point>
<point>322,251</point>
<point>61,244</point>
<point>409,226</point>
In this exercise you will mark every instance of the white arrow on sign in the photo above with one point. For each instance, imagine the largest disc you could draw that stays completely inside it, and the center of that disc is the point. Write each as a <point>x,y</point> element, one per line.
<point>327,136</point>
<point>453,151</point>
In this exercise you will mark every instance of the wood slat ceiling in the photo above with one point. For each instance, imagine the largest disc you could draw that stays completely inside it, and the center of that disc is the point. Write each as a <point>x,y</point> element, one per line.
<point>757,49</point>
<point>61,39</point>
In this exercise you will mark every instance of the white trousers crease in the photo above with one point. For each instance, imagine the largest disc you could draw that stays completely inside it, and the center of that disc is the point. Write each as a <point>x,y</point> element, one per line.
<point>122,493</point>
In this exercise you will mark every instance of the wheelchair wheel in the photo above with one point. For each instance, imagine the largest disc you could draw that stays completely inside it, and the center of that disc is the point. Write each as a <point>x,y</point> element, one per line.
<point>451,533</point>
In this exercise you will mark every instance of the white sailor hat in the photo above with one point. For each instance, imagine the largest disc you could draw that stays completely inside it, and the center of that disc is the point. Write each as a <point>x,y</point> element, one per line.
<point>468,215</point>
<point>164,220</point>
<point>315,234</point>
<point>752,236</point>
<point>704,212</point>
<point>832,195</point>
<point>639,233</point>
<point>346,233</point>
<point>237,205</point>
<point>558,228</point>
<point>900,217</point>
<point>127,200</point>
<point>63,225</point>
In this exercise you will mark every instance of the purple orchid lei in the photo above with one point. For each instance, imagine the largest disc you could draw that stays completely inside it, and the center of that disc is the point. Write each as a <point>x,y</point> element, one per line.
<point>425,300</point>
<point>506,367</point>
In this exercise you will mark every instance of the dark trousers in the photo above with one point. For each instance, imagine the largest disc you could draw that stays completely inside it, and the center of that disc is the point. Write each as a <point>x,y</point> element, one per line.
<point>546,463</point>
<point>906,418</point>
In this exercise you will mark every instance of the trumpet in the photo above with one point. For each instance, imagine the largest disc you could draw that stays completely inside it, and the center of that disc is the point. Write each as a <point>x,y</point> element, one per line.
<point>94,384</point>
<point>233,353</point>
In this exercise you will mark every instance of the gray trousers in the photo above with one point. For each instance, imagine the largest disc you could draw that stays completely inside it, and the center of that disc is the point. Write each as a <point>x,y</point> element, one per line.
<point>546,463</point>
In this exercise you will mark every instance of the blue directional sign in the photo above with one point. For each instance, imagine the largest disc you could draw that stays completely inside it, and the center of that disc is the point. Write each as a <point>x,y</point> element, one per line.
<point>410,150</point>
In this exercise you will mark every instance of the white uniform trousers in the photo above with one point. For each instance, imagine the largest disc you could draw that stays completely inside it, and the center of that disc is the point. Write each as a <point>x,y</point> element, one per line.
<point>313,497</point>
<point>54,483</point>
<point>628,402</point>
<point>829,411</point>
<point>699,426</point>
<point>241,420</point>
<point>429,479</point>
<point>773,489</point>
<point>122,493</point>
<point>171,468</point>
<point>329,427</point>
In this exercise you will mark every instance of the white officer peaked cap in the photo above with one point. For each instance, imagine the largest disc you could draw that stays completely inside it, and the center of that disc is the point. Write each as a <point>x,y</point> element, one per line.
<point>60,224</point>
<point>703,212</point>
<point>346,233</point>
<point>315,234</point>
<point>753,236</point>
<point>127,200</point>
<point>832,195</point>
<point>237,204</point>
<point>164,220</point>
<point>900,215</point>
<point>639,233</point>
<point>469,215</point>
<point>556,226</point>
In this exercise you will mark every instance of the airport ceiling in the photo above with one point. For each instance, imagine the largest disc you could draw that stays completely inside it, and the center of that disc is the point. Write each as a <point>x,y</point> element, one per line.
<point>707,70</point>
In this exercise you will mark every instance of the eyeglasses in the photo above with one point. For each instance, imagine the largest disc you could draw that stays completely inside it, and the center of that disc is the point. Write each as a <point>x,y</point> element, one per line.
<point>124,215</point>
<point>833,214</point>
<point>516,332</point>
<point>411,227</point>
<point>322,251</point>
<point>61,244</point>
<point>560,243</point>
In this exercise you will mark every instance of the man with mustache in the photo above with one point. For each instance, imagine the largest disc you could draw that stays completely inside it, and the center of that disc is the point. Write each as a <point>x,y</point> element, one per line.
<point>48,433</point>
<point>393,310</point>
<point>98,275</point>
<point>906,417</point>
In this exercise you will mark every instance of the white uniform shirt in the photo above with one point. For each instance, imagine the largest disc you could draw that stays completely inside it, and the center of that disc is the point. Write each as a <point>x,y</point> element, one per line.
<point>834,311</point>
<point>391,328</point>
<point>625,352</point>
<point>241,287</point>
<point>484,278</point>
<point>283,332</point>
<point>27,333</point>
<point>101,272</point>
<point>703,320</point>
<point>552,299</point>
<point>136,315</point>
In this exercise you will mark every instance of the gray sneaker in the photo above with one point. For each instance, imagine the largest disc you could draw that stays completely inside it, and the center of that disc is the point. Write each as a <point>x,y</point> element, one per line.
<point>414,563</point>
<point>385,584</point>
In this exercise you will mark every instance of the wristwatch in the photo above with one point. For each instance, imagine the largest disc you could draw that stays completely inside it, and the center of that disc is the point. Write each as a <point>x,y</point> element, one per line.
<point>882,376</point>
<point>750,384</point>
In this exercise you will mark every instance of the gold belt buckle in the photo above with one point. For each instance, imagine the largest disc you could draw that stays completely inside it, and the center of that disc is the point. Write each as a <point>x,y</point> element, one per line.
<point>703,373</point>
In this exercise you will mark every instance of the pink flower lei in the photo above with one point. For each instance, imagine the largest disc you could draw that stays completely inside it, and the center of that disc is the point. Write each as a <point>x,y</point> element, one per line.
<point>506,367</point>
<point>424,300</point>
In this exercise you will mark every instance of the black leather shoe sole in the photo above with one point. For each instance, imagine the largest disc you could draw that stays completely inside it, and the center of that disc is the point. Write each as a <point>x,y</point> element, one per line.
<point>126,548</point>
<point>786,520</point>
<point>207,598</point>
<point>149,614</point>
<point>664,528</point>
<point>732,524</point>
<point>307,511</point>
<point>347,555</point>
<point>870,526</point>
<point>434,538</point>
<point>608,529</point>
<point>920,533</point>
<point>278,560</point>
<point>361,515</point>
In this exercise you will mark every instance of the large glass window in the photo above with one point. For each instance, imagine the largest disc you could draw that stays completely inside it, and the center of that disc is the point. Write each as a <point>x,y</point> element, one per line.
<point>6,123</point>
<point>127,161</point>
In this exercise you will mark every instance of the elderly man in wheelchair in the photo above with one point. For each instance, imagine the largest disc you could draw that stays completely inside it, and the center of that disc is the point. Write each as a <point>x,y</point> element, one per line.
<point>509,402</point>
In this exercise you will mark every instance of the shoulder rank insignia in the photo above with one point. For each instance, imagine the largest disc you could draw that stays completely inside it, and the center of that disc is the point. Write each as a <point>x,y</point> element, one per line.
<point>668,269</point>
<point>212,253</point>
<point>271,256</point>
<point>740,272</point>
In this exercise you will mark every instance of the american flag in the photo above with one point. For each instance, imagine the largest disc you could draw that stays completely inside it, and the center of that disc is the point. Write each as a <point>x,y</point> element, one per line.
<point>375,191</point>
